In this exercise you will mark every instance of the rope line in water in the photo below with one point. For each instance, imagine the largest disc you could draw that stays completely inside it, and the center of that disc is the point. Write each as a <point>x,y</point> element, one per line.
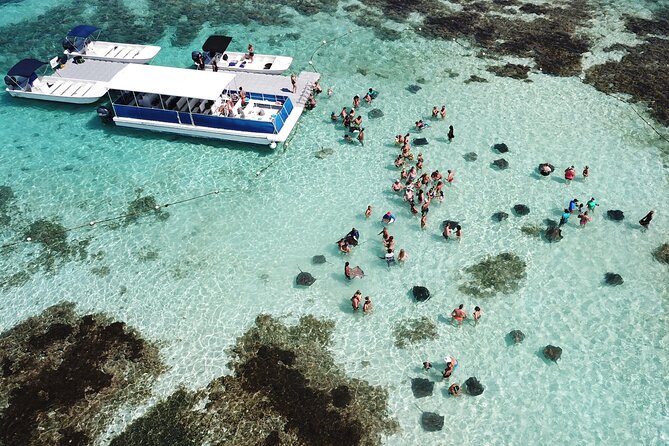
<point>95,222</point>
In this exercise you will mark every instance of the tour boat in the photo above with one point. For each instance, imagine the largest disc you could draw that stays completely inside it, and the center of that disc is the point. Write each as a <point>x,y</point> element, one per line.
<point>215,57</point>
<point>23,81</point>
<point>80,42</point>
<point>203,104</point>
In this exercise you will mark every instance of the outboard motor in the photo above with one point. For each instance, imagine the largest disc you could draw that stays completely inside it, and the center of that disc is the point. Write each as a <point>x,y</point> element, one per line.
<point>11,82</point>
<point>67,45</point>
<point>105,114</point>
<point>195,55</point>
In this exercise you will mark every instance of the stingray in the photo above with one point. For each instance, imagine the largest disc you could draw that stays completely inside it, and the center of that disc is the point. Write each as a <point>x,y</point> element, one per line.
<point>501,148</point>
<point>375,113</point>
<point>420,141</point>
<point>432,421</point>
<point>471,156</point>
<point>305,279</point>
<point>414,88</point>
<point>323,153</point>
<point>318,260</point>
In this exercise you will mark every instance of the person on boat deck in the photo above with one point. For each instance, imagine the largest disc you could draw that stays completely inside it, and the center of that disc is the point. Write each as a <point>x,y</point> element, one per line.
<point>242,95</point>
<point>214,66</point>
<point>250,53</point>
<point>200,62</point>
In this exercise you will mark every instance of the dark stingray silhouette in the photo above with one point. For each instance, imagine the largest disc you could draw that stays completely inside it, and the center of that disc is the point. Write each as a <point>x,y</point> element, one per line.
<point>305,279</point>
<point>318,260</point>
<point>553,353</point>
<point>517,336</point>
<point>432,421</point>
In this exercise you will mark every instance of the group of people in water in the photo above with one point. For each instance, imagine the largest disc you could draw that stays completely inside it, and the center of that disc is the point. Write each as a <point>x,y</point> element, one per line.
<point>352,123</point>
<point>421,188</point>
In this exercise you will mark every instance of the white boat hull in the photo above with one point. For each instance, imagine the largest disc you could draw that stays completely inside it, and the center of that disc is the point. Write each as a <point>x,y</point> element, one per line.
<point>201,132</point>
<point>56,89</point>
<point>279,64</point>
<point>117,52</point>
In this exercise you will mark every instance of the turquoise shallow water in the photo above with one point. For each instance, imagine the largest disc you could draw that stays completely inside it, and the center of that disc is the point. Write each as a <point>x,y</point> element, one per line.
<point>223,259</point>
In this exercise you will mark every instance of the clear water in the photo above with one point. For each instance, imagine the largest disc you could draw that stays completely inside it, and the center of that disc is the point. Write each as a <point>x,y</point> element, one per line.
<point>223,259</point>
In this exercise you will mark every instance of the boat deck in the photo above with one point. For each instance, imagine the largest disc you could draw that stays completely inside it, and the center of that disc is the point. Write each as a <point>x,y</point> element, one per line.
<point>91,70</point>
<point>98,71</point>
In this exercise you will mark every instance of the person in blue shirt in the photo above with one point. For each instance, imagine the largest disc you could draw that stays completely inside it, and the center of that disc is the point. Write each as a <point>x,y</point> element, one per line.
<point>565,217</point>
<point>572,205</point>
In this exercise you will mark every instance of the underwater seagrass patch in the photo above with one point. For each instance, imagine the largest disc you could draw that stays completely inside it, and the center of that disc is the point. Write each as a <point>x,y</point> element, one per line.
<point>494,274</point>
<point>412,330</point>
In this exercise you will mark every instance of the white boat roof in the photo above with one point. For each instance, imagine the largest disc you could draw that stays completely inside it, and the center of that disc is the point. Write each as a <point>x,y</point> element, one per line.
<point>171,81</point>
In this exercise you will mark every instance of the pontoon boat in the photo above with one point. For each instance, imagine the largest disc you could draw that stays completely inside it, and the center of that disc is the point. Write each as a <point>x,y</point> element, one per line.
<point>214,57</point>
<point>80,42</point>
<point>22,81</point>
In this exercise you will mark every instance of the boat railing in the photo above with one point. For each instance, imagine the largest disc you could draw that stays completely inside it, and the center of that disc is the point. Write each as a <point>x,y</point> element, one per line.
<point>195,112</point>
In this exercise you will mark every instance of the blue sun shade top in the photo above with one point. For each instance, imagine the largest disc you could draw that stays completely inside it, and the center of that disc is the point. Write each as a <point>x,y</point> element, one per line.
<point>26,67</point>
<point>82,31</point>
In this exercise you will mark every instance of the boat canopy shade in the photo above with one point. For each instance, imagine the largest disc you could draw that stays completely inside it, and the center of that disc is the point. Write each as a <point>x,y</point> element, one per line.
<point>82,31</point>
<point>217,44</point>
<point>171,81</point>
<point>26,67</point>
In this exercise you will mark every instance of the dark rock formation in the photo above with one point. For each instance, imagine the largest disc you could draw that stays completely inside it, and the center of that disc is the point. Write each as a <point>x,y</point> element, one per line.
<point>318,260</point>
<point>412,330</point>
<point>422,387</point>
<point>474,387</point>
<point>615,215</point>
<point>521,209</point>
<point>432,421</point>
<point>305,279</point>
<point>414,88</point>
<point>553,234</point>
<point>420,293</point>
<point>613,279</point>
<point>375,113</point>
<point>511,70</point>
<point>553,353</point>
<point>501,147</point>
<point>341,396</point>
<point>420,141</point>
<point>500,216</point>
<point>517,336</point>
<point>471,156</point>
<point>501,164</point>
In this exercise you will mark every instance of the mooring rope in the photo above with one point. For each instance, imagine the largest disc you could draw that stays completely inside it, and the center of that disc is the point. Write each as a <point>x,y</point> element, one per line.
<point>325,43</point>
<point>99,221</point>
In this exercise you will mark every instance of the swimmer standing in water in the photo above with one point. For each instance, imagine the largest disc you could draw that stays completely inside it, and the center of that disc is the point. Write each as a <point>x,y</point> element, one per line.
<point>459,315</point>
<point>477,315</point>
<point>402,257</point>
<point>368,212</point>
<point>355,300</point>
<point>367,306</point>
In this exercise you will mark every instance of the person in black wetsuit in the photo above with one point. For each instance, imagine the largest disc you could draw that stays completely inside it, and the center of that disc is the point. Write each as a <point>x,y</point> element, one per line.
<point>644,222</point>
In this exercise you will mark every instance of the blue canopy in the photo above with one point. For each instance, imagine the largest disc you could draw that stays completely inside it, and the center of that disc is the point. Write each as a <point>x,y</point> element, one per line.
<point>82,31</point>
<point>26,67</point>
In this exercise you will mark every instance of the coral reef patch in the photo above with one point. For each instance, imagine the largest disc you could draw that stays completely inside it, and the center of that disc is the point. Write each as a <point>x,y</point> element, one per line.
<point>63,376</point>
